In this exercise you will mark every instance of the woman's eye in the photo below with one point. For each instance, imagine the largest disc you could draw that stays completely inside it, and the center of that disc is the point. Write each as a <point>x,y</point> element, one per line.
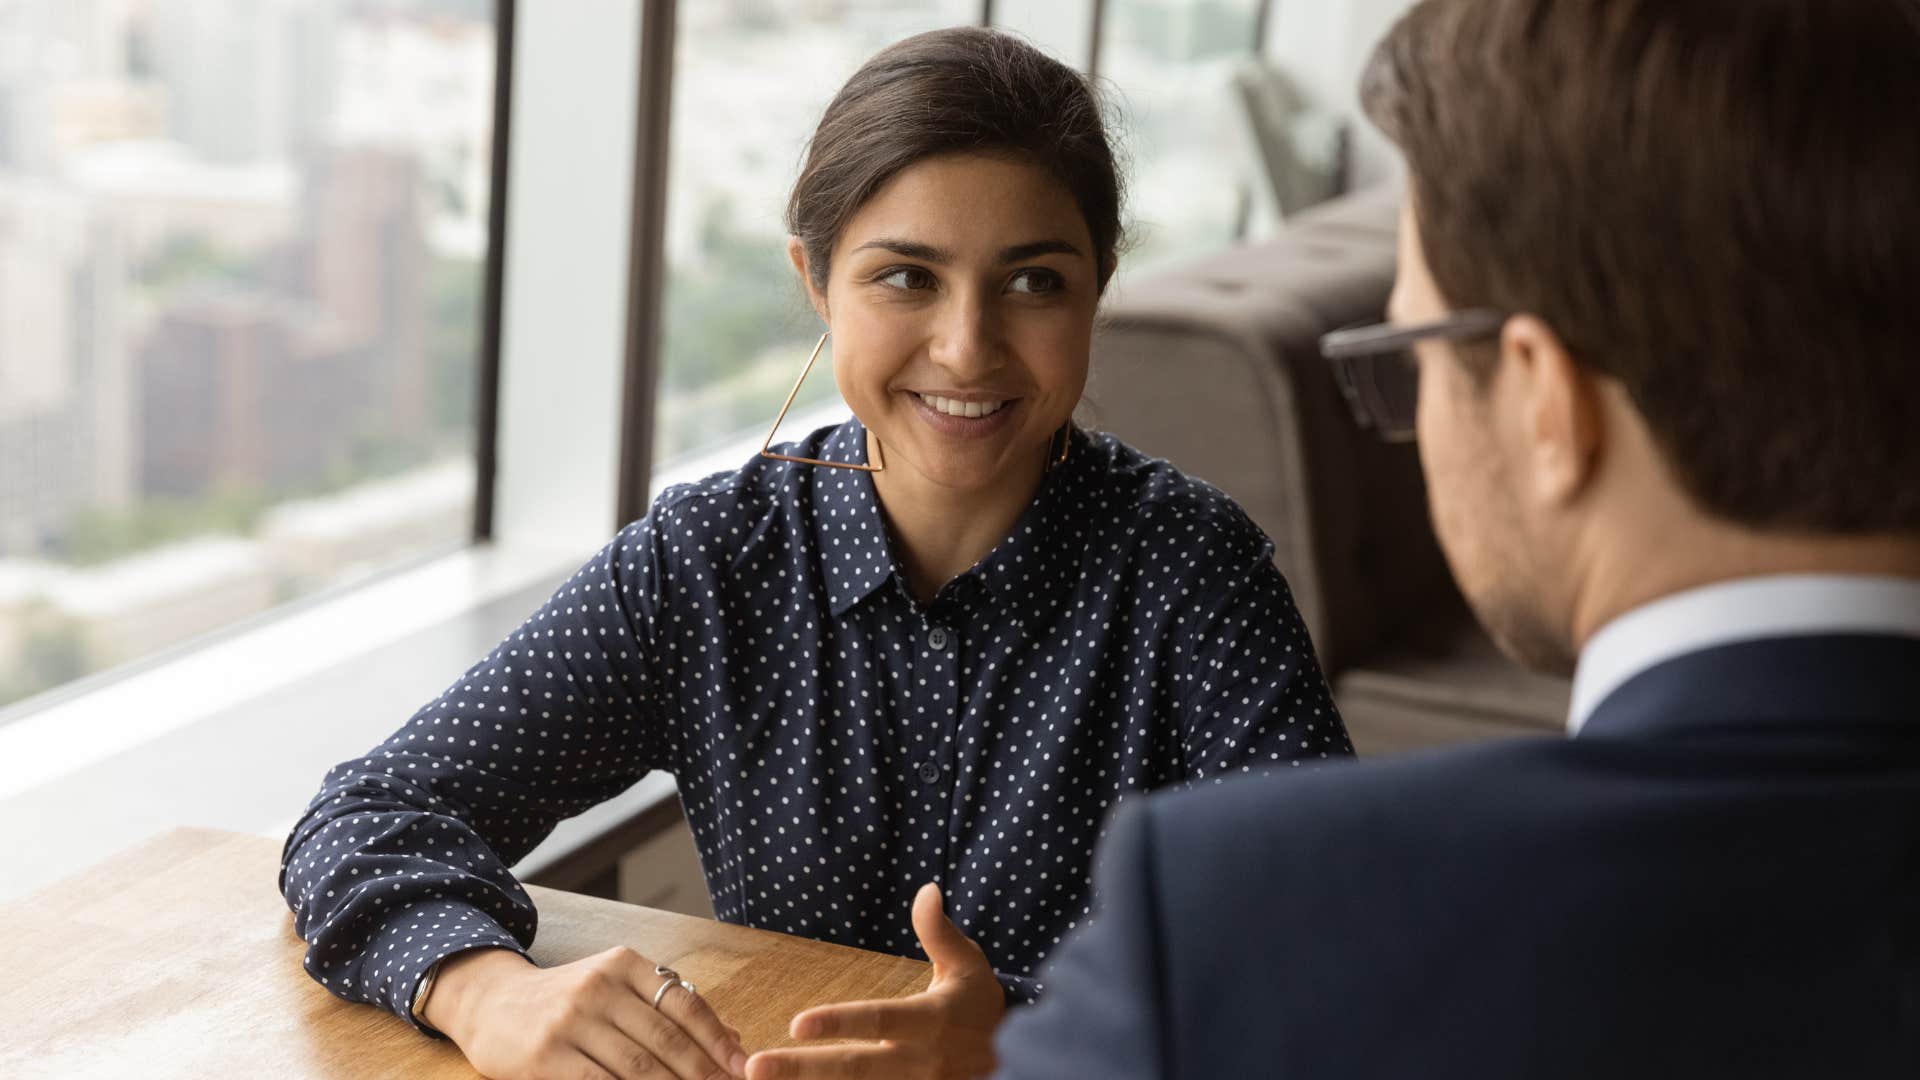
<point>1037,281</point>
<point>907,277</point>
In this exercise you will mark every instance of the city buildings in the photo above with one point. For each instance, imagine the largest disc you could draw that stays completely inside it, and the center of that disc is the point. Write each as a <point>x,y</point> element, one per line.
<point>240,247</point>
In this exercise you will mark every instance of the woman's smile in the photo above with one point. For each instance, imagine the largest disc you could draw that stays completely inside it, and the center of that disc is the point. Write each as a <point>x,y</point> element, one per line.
<point>964,416</point>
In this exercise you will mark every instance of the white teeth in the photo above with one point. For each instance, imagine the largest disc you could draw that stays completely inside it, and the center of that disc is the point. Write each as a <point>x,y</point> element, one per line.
<point>971,410</point>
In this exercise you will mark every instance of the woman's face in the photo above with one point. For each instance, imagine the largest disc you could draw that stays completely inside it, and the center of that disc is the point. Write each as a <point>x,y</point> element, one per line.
<point>961,300</point>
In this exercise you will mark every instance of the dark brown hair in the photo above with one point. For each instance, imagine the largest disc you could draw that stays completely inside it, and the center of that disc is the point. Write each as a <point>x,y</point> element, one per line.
<point>959,90</point>
<point>1716,202</point>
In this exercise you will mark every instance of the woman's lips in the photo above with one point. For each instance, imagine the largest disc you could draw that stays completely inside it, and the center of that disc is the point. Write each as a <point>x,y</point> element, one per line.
<point>969,408</point>
<point>964,427</point>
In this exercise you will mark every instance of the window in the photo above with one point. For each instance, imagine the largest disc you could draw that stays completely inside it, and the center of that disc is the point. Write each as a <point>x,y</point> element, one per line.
<point>1063,28</point>
<point>1172,62</point>
<point>750,83</point>
<point>241,248</point>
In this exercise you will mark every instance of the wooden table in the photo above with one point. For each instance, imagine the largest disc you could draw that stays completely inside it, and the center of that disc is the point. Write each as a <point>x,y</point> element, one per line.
<point>178,958</point>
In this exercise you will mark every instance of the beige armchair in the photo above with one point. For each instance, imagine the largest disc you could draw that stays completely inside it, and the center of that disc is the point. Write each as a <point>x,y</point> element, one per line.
<point>1214,365</point>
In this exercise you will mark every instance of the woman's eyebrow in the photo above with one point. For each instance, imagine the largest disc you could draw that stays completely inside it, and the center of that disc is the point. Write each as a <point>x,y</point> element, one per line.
<point>1020,252</point>
<point>913,249</point>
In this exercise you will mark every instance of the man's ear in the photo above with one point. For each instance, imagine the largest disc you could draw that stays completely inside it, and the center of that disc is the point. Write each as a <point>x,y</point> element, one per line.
<point>1562,425</point>
<point>797,252</point>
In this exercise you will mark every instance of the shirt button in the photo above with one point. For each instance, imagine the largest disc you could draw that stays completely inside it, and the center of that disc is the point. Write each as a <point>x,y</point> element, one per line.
<point>938,639</point>
<point>929,772</point>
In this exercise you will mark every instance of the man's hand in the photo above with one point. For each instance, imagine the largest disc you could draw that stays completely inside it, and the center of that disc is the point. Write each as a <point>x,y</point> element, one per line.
<point>593,1018</point>
<point>942,1033</point>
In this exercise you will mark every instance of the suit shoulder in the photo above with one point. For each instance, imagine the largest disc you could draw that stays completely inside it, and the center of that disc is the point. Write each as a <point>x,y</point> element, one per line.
<point>1340,803</point>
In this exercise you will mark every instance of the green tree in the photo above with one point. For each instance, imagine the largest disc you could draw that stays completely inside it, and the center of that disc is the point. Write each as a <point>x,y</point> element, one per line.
<point>51,654</point>
<point>722,314</point>
<point>98,536</point>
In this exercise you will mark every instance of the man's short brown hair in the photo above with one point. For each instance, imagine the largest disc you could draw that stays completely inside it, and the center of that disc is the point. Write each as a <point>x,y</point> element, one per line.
<point>1716,202</point>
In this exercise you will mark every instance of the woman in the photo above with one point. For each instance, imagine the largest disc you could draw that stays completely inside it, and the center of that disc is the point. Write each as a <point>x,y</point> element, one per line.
<point>934,644</point>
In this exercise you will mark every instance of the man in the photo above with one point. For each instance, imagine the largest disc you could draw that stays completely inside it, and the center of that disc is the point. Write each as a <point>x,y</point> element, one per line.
<point>1661,276</point>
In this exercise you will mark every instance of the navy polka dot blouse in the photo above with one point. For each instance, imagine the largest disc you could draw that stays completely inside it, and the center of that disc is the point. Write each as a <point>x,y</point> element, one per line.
<point>836,744</point>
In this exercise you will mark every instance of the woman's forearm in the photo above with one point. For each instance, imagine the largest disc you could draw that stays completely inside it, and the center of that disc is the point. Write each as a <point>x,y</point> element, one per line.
<point>403,857</point>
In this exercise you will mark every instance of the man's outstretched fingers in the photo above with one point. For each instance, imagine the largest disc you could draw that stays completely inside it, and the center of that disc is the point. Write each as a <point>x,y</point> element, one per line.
<point>896,1019</point>
<point>867,1061</point>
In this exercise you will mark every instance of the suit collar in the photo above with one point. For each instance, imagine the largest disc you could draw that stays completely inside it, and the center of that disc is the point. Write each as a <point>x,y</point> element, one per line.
<point>1805,683</point>
<point>1749,609</point>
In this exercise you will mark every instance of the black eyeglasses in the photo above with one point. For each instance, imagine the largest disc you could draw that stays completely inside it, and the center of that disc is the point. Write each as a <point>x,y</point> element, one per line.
<point>1375,368</point>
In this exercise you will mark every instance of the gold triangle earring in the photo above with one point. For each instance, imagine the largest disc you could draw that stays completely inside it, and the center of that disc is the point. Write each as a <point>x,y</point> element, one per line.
<point>880,461</point>
<point>1066,444</point>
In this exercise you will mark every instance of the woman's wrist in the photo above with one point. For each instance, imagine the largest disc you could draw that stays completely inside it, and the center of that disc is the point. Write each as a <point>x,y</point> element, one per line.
<point>461,979</point>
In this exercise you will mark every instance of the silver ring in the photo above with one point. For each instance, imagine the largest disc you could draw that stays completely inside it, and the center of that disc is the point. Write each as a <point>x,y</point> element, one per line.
<point>669,984</point>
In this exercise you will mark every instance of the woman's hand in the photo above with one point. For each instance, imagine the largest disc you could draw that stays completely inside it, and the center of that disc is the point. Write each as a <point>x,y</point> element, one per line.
<point>591,1018</point>
<point>942,1033</point>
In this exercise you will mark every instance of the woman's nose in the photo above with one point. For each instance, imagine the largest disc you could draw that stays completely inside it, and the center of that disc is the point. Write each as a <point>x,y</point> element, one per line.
<point>965,340</point>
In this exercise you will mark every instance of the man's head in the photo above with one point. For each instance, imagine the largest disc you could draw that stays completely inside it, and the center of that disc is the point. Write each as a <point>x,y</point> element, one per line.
<point>1704,218</point>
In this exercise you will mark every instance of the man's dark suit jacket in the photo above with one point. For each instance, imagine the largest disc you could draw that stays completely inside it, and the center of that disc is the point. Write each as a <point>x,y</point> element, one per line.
<point>1720,877</point>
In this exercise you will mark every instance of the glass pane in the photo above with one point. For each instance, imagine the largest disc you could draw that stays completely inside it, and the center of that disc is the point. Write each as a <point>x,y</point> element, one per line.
<point>240,298</point>
<point>1062,28</point>
<point>1171,62</point>
<point>751,78</point>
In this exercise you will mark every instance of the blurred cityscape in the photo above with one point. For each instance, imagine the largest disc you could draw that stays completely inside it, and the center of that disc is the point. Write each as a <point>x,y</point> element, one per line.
<point>241,245</point>
<point>240,252</point>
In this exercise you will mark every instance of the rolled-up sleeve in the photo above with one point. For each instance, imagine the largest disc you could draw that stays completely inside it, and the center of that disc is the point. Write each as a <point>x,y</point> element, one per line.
<point>402,858</point>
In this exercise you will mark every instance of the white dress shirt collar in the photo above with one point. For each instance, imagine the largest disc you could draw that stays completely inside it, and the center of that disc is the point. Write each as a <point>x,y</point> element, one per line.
<point>1786,605</point>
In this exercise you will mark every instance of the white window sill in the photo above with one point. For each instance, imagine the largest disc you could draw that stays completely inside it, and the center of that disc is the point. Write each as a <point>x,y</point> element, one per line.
<point>237,733</point>
<point>123,711</point>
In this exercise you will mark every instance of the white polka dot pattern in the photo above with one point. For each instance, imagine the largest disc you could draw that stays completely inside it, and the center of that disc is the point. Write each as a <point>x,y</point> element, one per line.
<point>836,745</point>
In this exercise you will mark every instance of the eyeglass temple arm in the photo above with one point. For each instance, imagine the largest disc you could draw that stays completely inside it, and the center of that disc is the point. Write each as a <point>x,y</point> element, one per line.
<point>1386,337</point>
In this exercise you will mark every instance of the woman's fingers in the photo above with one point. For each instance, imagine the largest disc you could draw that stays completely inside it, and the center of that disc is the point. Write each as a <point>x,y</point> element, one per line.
<point>579,1063</point>
<point>679,1053</point>
<point>595,1018</point>
<point>693,1015</point>
<point>627,1058</point>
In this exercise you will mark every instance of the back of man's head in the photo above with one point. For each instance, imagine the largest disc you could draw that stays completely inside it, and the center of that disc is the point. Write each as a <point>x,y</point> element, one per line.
<point>1714,202</point>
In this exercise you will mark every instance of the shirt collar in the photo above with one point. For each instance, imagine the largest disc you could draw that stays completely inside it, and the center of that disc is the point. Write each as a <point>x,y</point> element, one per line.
<point>848,529</point>
<point>1025,571</point>
<point>1786,605</point>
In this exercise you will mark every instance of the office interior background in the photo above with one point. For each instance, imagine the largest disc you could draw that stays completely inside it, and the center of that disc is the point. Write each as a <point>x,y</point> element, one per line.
<point>334,332</point>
